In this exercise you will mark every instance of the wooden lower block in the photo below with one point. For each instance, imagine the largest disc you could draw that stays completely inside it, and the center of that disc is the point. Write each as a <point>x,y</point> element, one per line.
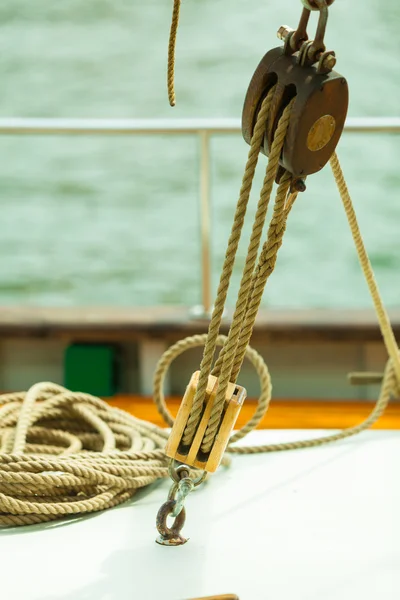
<point>174,440</point>
<point>192,456</point>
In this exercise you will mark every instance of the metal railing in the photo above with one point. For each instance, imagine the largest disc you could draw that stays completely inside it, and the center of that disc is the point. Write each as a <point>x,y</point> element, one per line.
<point>203,128</point>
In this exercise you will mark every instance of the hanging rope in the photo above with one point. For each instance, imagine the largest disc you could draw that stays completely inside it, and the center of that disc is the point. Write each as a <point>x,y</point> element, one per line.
<point>250,283</point>
<point>171,52</point>
<point>264,269</point>
<point>227,268</point>
<point>244,311</point>
<point>383,318</point>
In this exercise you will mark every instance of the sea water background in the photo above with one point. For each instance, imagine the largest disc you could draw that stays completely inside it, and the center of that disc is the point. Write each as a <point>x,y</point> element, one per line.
<point>115,220</point>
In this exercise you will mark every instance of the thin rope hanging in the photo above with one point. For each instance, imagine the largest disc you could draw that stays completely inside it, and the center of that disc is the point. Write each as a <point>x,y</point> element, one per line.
<point>171,52</point>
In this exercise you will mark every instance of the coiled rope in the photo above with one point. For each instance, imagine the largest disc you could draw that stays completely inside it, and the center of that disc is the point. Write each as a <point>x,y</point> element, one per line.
<point>65,453</point>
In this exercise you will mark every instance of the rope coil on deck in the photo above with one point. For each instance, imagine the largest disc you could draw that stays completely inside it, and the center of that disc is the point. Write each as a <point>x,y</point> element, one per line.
<point>66,453</point>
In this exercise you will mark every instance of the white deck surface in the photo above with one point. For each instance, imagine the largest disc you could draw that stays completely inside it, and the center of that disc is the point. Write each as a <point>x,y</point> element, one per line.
<point>318,524</point>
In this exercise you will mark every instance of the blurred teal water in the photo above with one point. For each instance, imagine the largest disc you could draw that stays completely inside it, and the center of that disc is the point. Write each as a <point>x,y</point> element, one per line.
<point>114,220</point>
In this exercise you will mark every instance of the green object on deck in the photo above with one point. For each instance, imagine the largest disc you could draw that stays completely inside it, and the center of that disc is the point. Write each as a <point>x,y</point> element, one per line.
<point>91,368</point>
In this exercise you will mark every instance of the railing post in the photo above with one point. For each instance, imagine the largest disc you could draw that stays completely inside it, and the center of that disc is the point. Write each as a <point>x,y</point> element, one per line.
<point>205,309</point>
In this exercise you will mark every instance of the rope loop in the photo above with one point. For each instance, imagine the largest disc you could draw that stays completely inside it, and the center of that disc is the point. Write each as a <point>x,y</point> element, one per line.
<point>196,341</point>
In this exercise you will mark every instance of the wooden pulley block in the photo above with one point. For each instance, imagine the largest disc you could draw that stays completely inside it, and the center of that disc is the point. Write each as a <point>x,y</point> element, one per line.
<point>192,455</point>
<point>318,115</point>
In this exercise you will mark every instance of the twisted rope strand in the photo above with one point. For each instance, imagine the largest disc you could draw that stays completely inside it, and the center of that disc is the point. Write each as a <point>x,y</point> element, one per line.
<point>265,267</point>
<point>239,357</point>
<point>235,370</point>
<point>259,221</point>
<point>245,285</point>
<point>171,52</point>
<point>383,318</point>
<point>244,305</point>
<point>389,389</point>
<point>219,305</point>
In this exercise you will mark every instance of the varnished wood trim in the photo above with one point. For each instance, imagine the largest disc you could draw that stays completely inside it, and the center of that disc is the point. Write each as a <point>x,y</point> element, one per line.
<point>282,414</point>
<point>121,323</point>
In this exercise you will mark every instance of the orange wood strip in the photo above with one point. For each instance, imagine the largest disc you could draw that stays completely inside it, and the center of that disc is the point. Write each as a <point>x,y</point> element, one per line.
<point>282,414</point>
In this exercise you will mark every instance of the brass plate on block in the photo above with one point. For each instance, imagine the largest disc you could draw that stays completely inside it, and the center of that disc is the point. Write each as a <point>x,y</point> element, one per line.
<point>321,133</point>
<point>306,150</point>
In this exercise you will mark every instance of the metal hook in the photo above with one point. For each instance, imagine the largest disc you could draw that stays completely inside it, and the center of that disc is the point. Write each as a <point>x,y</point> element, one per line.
<point>182,485</point>
<point>170,536</point>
